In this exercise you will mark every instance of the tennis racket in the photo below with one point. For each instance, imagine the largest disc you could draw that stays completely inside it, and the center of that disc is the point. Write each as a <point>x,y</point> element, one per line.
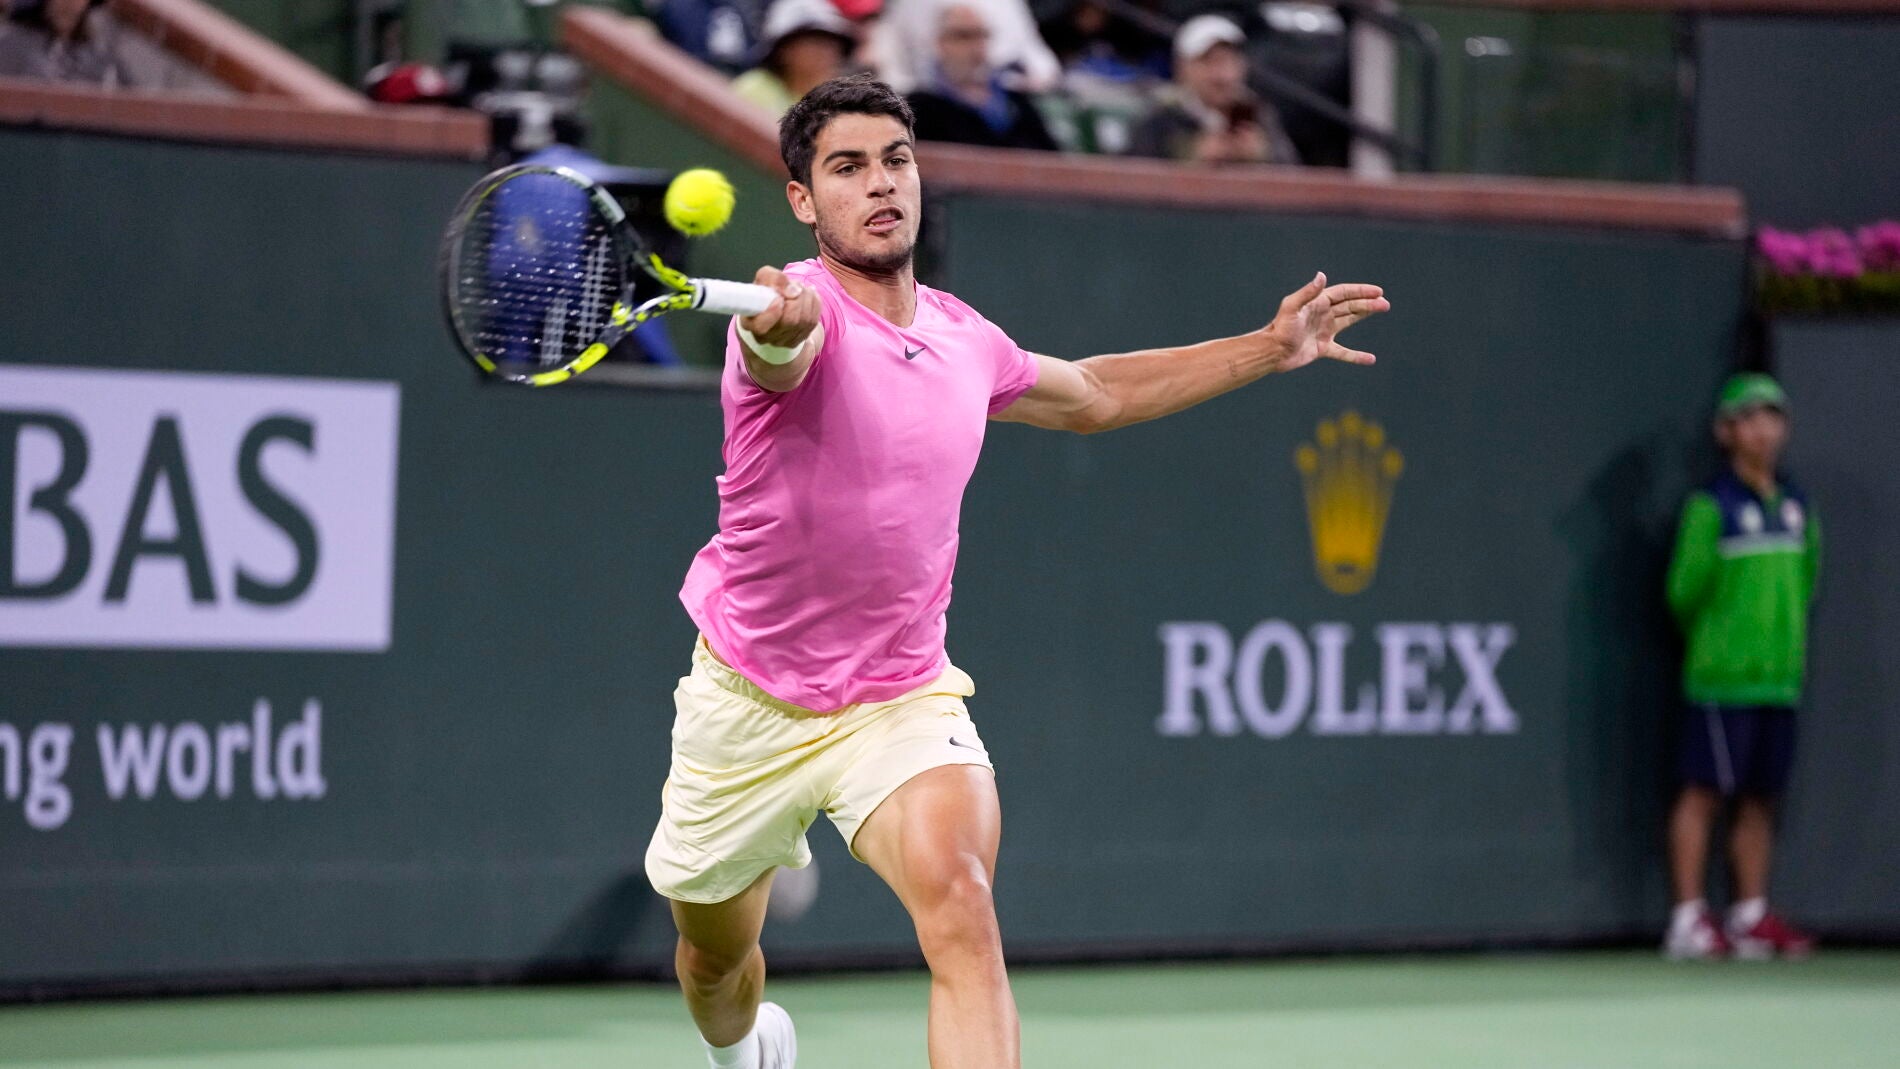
<point>538,272</point>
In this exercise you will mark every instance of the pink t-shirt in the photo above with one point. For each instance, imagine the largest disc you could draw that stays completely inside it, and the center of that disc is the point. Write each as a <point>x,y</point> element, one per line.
<point>828,580</point>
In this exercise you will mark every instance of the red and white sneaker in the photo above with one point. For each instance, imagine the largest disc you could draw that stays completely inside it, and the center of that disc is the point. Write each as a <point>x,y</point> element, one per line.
<point>1769,937</point>
<point>1700,940</point>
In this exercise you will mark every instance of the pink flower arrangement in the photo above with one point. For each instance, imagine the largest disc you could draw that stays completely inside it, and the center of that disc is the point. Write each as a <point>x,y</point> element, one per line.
<point>1828,268</point>
<point>1880,245</point>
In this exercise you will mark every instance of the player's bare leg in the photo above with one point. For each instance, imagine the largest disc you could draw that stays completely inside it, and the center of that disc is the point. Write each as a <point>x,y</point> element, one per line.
<point>934,841</point>
<point>1689,825</point>
<point>1751,846</point>
<point>721,968</point>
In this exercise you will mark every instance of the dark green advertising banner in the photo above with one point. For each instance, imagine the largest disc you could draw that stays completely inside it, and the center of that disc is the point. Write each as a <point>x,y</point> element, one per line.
<point>1360,655</point>
<point>322,660</point>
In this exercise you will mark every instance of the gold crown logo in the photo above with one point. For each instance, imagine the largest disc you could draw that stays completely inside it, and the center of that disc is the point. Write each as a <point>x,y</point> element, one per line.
<point>1349,472</point>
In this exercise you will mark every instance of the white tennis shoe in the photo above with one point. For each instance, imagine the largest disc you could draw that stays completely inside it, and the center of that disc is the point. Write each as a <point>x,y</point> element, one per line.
<point>778,1040</point>
<point>1695,936</point>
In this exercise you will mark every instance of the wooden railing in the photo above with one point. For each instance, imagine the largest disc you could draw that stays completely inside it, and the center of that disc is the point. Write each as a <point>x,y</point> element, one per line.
<point>231,52</point>
<point>1475,198</point>
<point>285,100</point>
<point>413,131</point>
<point>630,53</point>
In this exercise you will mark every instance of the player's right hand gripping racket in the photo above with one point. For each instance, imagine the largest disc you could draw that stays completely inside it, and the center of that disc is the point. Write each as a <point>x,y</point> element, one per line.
<point>538,268</point>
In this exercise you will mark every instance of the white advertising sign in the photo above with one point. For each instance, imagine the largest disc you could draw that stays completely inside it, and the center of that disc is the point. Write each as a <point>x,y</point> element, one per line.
<point>174,510</point>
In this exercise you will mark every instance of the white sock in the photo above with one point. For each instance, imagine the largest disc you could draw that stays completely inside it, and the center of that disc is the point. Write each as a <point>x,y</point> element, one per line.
<point>1747,913</point>
<point>741,1055</point>
<point>1686,914</point>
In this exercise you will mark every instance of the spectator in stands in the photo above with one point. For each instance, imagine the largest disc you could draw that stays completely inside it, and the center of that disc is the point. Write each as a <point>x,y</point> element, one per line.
<point>1747,557</point>
<point>1211,116</point>
<point>1089,39</point>
<point>53,39</point>
<point>719,32</point>
<point>907,44</point>
<point>966,102</point>
<point>806,42</point>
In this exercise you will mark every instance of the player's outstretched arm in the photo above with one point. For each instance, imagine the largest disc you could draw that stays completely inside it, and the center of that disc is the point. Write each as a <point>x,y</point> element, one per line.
<point>1102,393</point>
<point>786,337</point>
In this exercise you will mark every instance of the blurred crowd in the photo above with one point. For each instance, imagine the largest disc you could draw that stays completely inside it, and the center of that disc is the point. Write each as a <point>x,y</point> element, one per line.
<point>1169,79</point>
<point>1098,76</point>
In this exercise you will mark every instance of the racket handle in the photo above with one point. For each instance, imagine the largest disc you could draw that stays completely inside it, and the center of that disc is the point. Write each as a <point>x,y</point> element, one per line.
<point>732,298</point>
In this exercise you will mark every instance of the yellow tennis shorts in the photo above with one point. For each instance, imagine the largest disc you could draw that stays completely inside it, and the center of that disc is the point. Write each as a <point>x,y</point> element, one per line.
<point>750,773</point>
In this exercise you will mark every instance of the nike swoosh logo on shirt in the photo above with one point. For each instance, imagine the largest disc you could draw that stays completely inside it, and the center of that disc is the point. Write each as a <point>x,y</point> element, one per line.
<point>957,742</point>
<point>911,354</point>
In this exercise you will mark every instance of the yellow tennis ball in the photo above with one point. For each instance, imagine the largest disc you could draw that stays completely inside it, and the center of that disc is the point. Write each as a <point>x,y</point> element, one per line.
<point>698,201</point>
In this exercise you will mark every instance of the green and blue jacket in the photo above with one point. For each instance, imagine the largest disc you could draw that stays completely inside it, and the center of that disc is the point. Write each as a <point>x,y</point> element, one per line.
<point>1740,584</point>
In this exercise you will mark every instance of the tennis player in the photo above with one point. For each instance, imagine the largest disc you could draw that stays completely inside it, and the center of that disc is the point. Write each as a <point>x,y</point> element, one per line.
<point>854,411</point>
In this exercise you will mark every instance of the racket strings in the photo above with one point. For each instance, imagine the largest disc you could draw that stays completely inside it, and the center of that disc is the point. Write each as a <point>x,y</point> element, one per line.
<point>538,274</point>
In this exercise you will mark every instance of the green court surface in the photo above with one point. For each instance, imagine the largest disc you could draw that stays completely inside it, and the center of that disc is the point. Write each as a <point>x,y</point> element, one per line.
<point>1620,1009</point>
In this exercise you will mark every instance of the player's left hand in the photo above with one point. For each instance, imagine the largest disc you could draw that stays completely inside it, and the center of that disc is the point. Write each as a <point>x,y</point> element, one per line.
<point>1313,315</point>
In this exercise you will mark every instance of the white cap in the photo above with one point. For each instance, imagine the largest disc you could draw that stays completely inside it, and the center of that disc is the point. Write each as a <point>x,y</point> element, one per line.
<point>787,17</point>
<point>1203,32</point>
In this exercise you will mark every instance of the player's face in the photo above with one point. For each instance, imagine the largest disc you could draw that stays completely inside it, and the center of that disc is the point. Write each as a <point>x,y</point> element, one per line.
<point>864,198</point>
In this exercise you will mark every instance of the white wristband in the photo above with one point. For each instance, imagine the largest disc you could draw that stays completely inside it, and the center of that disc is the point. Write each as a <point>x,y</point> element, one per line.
<point>771,354</point>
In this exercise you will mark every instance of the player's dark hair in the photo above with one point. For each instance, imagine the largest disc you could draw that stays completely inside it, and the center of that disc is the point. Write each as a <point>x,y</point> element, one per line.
<point>853,94</point>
